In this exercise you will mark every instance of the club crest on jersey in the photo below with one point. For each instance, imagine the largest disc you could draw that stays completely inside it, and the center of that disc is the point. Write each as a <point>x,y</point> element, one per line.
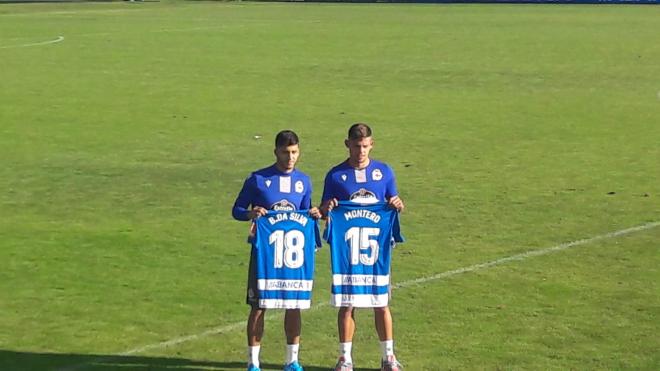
<point>268,181</point>
<point>364,196</point>
<point>283,205</point>
<point>299,186</point>
<point>376,174</point>
<point>343,177</point>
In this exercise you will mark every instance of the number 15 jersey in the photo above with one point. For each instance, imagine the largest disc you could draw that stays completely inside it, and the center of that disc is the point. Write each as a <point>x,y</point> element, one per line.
<point>361,238</point>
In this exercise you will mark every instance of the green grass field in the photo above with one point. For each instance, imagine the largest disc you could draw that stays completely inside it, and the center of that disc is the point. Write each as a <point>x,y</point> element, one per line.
<point>510,128</point>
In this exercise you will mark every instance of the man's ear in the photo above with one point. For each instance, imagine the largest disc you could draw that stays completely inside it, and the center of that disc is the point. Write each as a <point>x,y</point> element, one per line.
<point>346,142</point>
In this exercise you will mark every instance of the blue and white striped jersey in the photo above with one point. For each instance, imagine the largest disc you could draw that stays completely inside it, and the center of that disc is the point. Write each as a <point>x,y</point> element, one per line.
<point>361,237</point>
<point>284,245</point>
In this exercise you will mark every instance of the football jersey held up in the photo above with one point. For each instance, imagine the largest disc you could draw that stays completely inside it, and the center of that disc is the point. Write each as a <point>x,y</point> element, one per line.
<point>284,247</point>
<point>361,239</point>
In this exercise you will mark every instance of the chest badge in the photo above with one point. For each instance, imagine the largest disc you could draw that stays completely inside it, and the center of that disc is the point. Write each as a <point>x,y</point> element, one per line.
<point>343,177</point>
<point>299,187</point>
<point>376,175</point>
<point>268,182</point>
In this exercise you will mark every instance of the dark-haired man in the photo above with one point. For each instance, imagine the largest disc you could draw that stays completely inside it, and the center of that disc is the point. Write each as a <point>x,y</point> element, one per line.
<point>362,180</point>
<point>277,187</point>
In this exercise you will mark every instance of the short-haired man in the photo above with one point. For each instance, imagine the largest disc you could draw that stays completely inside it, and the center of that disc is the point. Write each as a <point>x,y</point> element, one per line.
<point>365,180</point>
<point>277,187</point>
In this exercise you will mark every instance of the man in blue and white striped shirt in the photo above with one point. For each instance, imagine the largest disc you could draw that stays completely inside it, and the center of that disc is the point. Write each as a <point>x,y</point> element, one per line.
<point>277,187</point>
<point>362,180</point>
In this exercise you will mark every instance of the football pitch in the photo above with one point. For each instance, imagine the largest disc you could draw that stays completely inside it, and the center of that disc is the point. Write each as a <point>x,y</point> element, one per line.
<point>525,140</point>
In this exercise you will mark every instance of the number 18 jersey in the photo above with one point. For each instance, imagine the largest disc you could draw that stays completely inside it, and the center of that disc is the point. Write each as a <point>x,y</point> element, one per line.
<point>284,246</point>
<point>361,238</point>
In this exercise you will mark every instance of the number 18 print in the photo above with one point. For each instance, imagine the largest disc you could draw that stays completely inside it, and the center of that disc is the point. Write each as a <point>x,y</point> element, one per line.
<point>285,243</point>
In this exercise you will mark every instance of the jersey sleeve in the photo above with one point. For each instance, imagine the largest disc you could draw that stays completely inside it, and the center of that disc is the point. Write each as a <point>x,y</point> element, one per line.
<point>244,199</point>
<point>327,233</point>
<point>396,228</point>
<point>328,192</point>
<point>390,187</point>
<point>306,202</point>
<point>317,235</point>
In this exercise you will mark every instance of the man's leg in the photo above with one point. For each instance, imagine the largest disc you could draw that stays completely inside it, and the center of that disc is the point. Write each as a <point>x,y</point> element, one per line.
<point>346,328</point>
<point>255,331</point>
<point>255,322</point>
<point>292,329</point>
<point>383,322</point>
<point>346,324</point>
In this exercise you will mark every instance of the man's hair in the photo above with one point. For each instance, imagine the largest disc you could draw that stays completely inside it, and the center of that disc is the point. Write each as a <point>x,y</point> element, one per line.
<point>359,131</point>
<point>286,138</point>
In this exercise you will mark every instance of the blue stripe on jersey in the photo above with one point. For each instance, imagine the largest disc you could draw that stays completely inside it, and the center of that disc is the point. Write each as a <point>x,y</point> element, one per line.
<point>361,239</point>
<point>361,290</point>
<point>284,247</point>
<point>287,295</point>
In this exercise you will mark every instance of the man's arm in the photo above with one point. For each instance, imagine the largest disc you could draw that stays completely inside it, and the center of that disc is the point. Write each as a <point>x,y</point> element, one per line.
<point>328,201</point>
<point>396,203</point>
<point>327,206</point>
<point>306,202</point>
<point>240,210</point>
<point>392,193</point>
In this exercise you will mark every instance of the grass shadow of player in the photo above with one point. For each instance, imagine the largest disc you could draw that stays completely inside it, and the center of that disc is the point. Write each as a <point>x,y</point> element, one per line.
<point>33,361</point>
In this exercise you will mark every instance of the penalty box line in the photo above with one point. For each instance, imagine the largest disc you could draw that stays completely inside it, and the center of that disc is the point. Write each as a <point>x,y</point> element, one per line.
<point>404,284</point>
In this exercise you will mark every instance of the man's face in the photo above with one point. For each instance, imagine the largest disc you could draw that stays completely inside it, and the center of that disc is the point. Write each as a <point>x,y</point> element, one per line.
<point>287,157</point>
<point>359,149</point>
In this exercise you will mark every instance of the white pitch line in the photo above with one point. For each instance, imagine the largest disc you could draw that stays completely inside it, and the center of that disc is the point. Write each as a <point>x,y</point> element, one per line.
<point>164,30</point>
<point>58,39</point>
<point>526,255</point>
<point>404,284</point>
<point>165,344</point>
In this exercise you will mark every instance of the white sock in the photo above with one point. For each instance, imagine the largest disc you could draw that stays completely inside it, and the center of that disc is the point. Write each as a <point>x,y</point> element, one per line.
<point>387,348</point>
<point>292,353</point>
<point>345,351</point>
<point>253,355</point>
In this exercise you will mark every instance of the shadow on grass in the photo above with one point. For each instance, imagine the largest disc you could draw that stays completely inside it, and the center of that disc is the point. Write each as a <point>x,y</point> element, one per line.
<point>28,361</point>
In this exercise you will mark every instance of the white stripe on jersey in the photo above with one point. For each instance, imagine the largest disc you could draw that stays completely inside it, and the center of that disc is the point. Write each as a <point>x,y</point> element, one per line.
<point>285,184</point>
<point>284,304</point>
<point>285,285</point>
<point>360,175</point>
<point>360,280</point>
<point>360,300</point>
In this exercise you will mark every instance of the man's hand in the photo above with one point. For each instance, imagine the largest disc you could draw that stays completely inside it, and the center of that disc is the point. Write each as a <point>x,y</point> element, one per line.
<point>327,206</point>
<point>256,212</point>
<point>396,203</point>
<point>315,213</point>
